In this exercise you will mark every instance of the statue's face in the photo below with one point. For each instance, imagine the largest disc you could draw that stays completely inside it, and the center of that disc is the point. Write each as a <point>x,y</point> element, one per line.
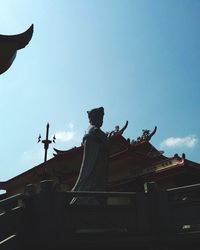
<point>96,117</point>
<point>97,120</point>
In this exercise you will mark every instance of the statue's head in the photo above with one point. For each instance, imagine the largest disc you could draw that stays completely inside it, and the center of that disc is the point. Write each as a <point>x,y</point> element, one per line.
<point>96,116</point>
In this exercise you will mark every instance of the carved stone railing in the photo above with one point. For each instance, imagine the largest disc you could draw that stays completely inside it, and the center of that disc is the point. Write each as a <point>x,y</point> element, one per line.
<point>11,216</point>
<point>42,217</point>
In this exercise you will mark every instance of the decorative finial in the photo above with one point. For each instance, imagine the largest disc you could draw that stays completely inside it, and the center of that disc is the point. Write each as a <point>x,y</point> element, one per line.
<point>46,142</point>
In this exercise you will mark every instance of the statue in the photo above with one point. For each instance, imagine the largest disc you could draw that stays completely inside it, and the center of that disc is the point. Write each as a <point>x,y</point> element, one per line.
<point>9,46</point>
<point>92,176</point>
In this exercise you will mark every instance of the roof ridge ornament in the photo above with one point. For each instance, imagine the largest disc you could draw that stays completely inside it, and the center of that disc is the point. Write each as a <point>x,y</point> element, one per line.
<point>117,131</point>
<point>145,137</point>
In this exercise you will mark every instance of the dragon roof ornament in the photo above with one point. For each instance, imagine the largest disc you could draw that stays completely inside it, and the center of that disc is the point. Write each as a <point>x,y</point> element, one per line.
<point>146,136</point>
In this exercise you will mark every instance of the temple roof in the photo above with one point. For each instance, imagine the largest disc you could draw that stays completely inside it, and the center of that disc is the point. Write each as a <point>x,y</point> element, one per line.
<point>66,164</point>
<point>128,160</point>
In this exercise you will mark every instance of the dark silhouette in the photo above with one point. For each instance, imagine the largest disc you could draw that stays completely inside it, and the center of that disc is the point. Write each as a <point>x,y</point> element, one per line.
<point>9,44</point>
<point>117,130</point>
<point>92,176</point>
<point>146,136</point>
<point>46,142</point>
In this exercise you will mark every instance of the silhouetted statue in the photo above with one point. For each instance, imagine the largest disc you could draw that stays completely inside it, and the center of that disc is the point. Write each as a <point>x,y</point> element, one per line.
<point>92,176</point>
<point>9,46</point>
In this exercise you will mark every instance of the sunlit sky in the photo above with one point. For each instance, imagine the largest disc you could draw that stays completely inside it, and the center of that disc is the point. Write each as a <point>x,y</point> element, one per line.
<point>138,59</point>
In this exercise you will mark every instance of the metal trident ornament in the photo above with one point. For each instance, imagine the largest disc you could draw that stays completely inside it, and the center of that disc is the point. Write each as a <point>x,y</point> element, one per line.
<point>46,142</point>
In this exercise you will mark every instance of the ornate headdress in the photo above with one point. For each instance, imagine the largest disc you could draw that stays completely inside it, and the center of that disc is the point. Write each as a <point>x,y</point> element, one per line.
<point>95,112</point>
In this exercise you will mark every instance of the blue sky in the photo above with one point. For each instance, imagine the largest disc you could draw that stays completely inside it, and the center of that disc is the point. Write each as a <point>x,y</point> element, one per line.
<point>138,59</point>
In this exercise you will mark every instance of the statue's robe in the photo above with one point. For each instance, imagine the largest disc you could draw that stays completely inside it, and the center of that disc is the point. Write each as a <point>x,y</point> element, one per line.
<point>92,176</point>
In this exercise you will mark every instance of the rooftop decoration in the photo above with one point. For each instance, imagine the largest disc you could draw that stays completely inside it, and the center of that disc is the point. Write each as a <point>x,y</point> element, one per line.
<point>146,136</point>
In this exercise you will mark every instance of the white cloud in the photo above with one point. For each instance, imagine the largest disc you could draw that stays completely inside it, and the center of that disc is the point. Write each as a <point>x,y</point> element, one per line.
<point>188,142</point>
<point>65,136</point>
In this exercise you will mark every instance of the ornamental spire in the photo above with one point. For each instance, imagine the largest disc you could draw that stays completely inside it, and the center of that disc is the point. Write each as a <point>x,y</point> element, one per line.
<point>46,142</point>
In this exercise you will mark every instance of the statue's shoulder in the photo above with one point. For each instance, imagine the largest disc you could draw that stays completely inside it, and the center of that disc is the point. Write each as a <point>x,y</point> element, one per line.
<point>92,130</point>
